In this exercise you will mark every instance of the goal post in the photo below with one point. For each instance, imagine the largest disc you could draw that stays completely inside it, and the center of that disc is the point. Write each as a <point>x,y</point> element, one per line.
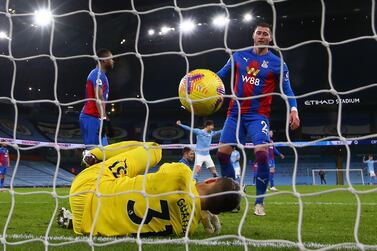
<point>356,175</point>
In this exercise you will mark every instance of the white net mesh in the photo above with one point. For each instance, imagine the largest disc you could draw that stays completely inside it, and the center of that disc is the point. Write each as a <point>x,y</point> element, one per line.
<point>221,240</point>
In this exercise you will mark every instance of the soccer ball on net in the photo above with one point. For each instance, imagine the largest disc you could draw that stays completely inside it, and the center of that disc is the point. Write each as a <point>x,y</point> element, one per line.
<point>201,84</point>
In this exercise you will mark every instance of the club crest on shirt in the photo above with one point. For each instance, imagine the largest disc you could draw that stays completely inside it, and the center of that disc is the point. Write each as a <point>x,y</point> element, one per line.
<point>265,64</point>
<point>253,68</point>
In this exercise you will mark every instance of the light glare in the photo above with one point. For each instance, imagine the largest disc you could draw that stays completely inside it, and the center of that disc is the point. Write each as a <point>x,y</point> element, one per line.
<point>3,35</point>
<point>42,17</point>
<point>187,26</point>
<point>151,32</point>
<point>220,21</point>
<point>247,17</point>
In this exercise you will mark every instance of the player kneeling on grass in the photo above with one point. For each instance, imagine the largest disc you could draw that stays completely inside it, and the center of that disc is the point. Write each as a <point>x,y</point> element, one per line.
<point>122,206</point>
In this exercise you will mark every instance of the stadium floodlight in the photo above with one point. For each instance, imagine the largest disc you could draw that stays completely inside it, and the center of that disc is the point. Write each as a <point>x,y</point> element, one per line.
<point>42,17</point>
<point>151,32</point>
<point>187,26</point>
<point>165,30</point>
<point>220,21</point>
<point>3,35</point>
<point>247,17</point>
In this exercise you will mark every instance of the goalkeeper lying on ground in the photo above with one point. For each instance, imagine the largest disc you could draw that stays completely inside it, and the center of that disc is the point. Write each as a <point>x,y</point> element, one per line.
<point>122,206</point>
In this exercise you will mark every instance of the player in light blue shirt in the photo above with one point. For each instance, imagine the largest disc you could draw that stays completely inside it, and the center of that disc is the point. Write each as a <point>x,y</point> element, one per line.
<point>370,165</point>
<point>235,158</point>
<point>203,143</point>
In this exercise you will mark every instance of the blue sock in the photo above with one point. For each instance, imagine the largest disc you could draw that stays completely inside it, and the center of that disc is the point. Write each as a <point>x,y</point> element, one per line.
<point>226,165</point>
<point>272,183</point>
<point>2,183</point>
<point>262,175</point>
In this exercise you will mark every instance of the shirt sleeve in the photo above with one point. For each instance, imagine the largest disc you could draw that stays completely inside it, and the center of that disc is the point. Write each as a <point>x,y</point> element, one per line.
<point>276,151</point>
<point>194,130</point>
<point>287,88</point>
<point>225,70</point>
<point>215,133</point>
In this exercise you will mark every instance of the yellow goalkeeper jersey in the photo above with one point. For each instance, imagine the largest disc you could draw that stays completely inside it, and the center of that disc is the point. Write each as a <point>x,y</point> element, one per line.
<point>122,205</point>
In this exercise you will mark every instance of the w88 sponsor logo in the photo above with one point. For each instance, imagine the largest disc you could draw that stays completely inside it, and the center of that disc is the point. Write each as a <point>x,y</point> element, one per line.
<point>251,80</point>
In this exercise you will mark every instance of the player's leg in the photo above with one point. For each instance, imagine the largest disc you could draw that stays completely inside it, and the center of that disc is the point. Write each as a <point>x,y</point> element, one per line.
<point>237,172</point>
<point>135,161</point>
<point>210,165</point>
<point>91,157</point>
<point>224,152</point>
<point>197,166</point>
<point>115,149</point>
<point>89,126</point>
<point>254,177</point>
<point>258,130</point>
<point>272,176</point>
<point>2,179</point>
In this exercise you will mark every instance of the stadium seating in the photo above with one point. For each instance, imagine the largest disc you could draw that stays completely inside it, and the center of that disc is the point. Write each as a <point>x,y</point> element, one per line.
<point>37,174</point>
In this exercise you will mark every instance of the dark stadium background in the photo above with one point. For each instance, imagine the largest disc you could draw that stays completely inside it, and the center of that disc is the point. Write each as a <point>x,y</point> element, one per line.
<point>297,21</point>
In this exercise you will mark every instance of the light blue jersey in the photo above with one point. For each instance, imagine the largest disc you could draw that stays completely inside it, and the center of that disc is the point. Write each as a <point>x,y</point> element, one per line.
<point>370,164</point>
<point>235,158</point>
<point>203,139</point>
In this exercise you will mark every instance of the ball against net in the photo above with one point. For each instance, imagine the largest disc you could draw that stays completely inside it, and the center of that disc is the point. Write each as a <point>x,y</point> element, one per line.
<point>198,85</point>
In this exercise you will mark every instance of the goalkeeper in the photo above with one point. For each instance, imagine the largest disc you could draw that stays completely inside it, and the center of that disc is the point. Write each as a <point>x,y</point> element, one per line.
<point>124,210</point>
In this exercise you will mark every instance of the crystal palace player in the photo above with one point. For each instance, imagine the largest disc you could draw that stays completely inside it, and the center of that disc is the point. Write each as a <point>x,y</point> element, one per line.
<point>4,163</point>
<point>121,182</point>
<point>256,72</point>
<point>97,87</point>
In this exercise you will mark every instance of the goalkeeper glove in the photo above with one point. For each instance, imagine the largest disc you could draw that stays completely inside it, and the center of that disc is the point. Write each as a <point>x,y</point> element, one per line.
<point>211,222</point>
<point>64,218</point>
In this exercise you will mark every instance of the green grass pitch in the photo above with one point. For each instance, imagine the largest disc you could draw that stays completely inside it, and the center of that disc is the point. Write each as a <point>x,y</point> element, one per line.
<point>327,219</point>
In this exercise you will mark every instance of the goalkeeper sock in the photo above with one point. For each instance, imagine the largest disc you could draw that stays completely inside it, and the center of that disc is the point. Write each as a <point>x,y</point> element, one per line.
<point>226,165</point>
<point>262,175</point>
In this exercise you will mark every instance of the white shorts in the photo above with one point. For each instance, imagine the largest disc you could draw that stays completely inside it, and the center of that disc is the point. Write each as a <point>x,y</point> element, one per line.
<point>237,171</point>
<point>206,159</point>
<point>372,174</point>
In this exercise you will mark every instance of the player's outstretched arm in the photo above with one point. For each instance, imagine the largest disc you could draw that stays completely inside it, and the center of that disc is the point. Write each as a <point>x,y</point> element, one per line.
<point>188,128</point>
<point>215,133</point>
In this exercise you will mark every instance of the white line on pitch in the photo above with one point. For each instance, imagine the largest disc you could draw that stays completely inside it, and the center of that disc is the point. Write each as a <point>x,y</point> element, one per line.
<point>322,203</point>
<point>255,243</point>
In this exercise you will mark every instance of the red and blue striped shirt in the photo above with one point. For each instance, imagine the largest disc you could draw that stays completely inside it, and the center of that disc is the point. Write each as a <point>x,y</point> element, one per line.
<point>99,78</point>
<point>256,75</point>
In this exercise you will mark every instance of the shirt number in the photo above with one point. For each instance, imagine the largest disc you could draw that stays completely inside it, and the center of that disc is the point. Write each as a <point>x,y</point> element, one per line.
<point>163,215</point>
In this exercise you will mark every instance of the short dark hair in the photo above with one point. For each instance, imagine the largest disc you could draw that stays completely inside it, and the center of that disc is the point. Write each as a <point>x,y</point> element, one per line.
<point>208,123</point>
<point>224,202</point>
<point>102,53</point>
<point>263,24</point>
<point>186,149</point>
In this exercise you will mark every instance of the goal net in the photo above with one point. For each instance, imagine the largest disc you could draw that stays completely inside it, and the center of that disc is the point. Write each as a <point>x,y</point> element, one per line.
<point>337,176</point>
<point>155,55</point>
